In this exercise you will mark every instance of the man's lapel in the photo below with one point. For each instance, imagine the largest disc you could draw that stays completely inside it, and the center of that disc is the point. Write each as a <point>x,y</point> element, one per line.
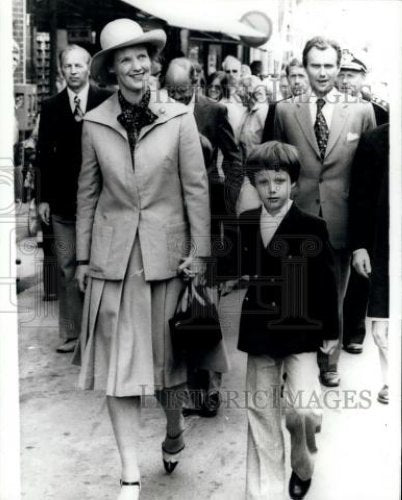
<point>303,116</point>
<point>337,125</point>
<point>64,107</point>
<point>199,106</point>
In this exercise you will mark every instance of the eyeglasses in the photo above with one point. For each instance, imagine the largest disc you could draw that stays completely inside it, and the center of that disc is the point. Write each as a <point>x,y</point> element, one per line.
<point>231,71</point>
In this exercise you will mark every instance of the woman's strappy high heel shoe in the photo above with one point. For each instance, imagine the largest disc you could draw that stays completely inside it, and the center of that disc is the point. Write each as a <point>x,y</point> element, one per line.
<point>136,490</point>
<point>171,457</point>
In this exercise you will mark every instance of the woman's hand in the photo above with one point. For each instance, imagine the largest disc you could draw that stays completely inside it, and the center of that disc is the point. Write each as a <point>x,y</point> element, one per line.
<point>81,275</point>
<point>192,267</point>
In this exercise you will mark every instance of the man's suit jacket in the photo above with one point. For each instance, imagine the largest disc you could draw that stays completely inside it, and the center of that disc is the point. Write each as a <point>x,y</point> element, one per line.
<point>369,212</point>
<point>291,302</point>
<point>59,151</point>
<point>323,187</point>
<point>212,122</point>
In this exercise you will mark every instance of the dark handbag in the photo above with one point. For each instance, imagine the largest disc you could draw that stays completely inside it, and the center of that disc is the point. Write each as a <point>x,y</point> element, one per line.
<point>195,325</point>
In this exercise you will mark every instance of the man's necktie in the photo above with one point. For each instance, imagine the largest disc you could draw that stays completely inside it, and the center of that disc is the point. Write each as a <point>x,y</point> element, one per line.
<point>321,129</point>
<point>78,113</point>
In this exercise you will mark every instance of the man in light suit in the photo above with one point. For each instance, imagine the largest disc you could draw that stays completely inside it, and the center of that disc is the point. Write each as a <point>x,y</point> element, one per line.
<point>325,126</point>
<point>59,161</point>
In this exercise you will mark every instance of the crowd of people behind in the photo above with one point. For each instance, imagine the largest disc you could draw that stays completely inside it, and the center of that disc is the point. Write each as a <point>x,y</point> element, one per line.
<point>151,179</point>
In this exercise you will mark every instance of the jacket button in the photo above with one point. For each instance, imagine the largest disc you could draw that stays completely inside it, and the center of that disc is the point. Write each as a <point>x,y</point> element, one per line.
<point>272,280</point>
<point>320,179</point>
<point>317,201</point>
<point>162,111</point>
<point>273,304</point>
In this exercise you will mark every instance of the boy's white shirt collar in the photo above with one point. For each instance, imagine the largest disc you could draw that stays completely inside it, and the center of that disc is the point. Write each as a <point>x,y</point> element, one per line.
<point>270,223</point>
<point>82,95</point>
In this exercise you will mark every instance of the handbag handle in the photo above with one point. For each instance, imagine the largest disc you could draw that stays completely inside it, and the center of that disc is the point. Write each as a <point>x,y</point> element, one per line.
<point>184,298</point>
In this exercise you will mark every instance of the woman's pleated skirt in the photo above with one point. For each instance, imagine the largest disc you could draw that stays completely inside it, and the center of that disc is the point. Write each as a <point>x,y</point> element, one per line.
<point>126,348</point>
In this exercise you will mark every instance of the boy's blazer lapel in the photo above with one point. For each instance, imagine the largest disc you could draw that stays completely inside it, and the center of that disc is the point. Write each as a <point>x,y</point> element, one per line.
<point>251,232</point>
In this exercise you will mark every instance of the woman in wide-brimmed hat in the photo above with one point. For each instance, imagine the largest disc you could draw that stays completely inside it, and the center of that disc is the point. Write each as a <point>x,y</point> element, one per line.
<point>142,217</point>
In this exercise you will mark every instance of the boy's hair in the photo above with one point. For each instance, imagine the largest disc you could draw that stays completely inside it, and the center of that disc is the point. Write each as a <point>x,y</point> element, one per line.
<point>273,155</point>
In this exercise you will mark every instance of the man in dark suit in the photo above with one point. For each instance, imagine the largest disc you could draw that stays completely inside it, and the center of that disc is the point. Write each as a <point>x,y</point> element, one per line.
<point>298,83</point>
<point>351,80</point>
<point>369,223</point>
<point>212,122</point>
<point>59,161</point>
<point>325,126</point>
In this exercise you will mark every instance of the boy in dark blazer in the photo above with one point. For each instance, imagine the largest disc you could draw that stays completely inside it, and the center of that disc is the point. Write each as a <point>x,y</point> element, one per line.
<point>289,313</point>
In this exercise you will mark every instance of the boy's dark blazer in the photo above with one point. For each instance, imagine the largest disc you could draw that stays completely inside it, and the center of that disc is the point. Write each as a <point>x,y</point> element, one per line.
<point>59,150</point>
<point>291,304</point>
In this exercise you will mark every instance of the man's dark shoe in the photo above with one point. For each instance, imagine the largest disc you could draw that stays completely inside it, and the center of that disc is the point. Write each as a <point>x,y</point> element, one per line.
<point>297,487</point>
<point>189,412</point>
<point>353,348</point>
<point>67,346</point>
<point>208,412</point>
<point>208,409</point>
<point>211,405</point>
<point>330,379</point>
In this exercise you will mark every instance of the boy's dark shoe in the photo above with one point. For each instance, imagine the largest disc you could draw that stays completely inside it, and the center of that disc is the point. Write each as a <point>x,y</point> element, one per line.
<point>330,379</point>
<point>297,487</point>
<point>353,348</point>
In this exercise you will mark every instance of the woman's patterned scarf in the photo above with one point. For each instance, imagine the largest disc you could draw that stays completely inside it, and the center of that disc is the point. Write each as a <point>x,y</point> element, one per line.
<point>135,116</point>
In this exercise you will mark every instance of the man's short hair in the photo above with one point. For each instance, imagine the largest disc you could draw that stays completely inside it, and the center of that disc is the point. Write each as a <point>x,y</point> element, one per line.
<point>256,67</point>
<point>273,155</point>
<point>229,59</point>
<point>186,65</point>
<point>293,63</point>
<point>322,43</point>
<point>70,48</point>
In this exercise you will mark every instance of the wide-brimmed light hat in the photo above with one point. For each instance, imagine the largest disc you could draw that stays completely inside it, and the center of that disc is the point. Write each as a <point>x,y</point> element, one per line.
<point>119,34</point>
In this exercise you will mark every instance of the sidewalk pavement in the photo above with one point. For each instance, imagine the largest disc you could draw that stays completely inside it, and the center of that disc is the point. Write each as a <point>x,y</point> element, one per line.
<point>68,449</point>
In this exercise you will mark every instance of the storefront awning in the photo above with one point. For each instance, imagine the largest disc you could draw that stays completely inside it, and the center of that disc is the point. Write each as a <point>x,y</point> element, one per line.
<point>197,15</point>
